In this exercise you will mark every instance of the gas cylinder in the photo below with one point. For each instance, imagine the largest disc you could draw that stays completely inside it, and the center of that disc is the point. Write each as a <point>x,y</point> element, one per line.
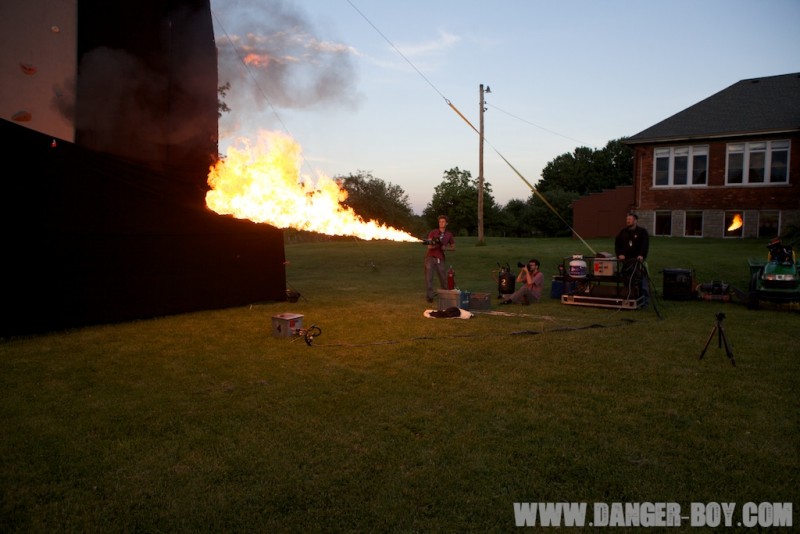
<point>505,280</point>
<point>577,267</point>
<point>451,278</point>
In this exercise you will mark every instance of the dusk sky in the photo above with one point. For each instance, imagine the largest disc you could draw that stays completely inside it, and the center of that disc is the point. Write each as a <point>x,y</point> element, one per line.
<point>364,85</point>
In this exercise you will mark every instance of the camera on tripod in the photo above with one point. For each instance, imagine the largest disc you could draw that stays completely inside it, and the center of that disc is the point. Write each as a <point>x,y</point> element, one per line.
<point>432,241</point>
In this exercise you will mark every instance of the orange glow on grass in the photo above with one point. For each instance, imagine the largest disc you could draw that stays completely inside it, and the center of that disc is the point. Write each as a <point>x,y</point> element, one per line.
<point>262,183</point>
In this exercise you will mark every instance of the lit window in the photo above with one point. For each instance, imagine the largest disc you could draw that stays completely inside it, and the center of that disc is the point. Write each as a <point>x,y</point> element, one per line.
<point>734,224</point>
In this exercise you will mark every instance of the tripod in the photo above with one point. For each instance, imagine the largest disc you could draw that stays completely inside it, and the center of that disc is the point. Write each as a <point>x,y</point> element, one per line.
<point>720,331</point>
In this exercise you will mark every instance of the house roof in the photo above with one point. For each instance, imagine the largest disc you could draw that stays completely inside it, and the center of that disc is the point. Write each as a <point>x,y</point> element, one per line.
<point>756,106</point>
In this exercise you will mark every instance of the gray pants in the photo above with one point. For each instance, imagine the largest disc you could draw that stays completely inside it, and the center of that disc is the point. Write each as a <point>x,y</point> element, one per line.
<point>434,265</point>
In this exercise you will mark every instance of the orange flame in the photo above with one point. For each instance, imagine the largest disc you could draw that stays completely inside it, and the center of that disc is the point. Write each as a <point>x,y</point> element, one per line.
<point>736,224</point>
<point>256,59</point>
<point>263,184</point>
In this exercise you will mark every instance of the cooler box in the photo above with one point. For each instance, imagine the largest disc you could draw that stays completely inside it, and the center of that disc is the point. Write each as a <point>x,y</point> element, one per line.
<point>480,301</point>
<point>450,298</point>
<point>286,324</point>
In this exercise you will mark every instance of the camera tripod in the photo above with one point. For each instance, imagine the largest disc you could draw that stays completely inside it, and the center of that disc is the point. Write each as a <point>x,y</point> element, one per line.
<point>720,331</point>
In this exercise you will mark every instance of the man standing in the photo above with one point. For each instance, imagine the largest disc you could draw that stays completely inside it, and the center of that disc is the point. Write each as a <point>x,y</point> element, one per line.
<point>438,239</point>
<point>631,247</point>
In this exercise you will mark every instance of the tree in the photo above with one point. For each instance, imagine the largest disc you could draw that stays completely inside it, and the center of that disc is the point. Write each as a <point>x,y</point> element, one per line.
<point>545,220</point>
<point>588,171</point>
<point>374,199</point>
<point>515,219</point>
<point>619,159</point>
<point>222,92</point>
<point>457,197</point>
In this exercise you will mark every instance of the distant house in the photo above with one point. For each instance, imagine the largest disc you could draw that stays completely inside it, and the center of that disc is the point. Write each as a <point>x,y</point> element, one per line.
<point>728,166</point>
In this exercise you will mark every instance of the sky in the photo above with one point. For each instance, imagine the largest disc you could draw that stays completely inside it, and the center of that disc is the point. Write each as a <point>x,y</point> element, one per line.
<point>373,86</point>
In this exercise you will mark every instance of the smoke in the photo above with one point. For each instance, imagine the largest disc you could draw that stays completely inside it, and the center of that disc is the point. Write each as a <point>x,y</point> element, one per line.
<point>272,57</point>
<point>119,99</point>
<point>149,85</point>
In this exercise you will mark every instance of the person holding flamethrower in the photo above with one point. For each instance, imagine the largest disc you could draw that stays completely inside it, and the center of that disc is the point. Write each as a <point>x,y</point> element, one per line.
<point>438,240</point>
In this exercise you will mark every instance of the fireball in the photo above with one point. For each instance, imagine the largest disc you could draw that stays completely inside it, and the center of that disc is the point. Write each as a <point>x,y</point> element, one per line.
<point>263,183</point>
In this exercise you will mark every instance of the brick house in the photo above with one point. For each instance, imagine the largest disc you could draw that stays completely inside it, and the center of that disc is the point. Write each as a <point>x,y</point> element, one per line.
<point>728,166</point>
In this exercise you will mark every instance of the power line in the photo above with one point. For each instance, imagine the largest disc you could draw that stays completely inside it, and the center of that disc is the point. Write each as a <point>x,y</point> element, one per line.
<point>541,127</point>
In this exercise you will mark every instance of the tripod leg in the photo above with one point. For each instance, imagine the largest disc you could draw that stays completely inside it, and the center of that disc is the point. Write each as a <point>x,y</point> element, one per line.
<point>728,350</point>
<point>713,331</point>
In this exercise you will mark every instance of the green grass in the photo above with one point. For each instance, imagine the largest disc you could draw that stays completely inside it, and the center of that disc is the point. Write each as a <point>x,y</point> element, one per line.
<point>389,421</point>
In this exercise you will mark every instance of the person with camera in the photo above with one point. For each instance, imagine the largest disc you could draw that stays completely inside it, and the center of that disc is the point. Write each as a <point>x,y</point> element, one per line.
<point>532,281</point>
<point>631,247</point>
<point>438,240</point>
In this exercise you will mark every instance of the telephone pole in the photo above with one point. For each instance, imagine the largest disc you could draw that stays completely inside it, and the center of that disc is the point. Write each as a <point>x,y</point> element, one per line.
<point>480,166</point>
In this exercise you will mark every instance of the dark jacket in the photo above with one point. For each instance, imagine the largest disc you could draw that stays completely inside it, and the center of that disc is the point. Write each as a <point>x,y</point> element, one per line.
<point>632,243</point>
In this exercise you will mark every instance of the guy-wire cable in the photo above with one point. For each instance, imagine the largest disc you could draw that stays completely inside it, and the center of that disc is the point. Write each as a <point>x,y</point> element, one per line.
<point>453,107</point>
<point>397,50</point>
<point>532,188</point>
<point>537,126</point>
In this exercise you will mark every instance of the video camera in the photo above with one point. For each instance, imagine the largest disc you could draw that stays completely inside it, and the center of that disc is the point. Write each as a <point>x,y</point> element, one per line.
<point>521,265</point>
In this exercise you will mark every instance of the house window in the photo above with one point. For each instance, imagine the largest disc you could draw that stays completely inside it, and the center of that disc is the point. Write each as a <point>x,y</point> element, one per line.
<point>734,224</point>
<point>768,223</point>
<point>663,223</point>
<point>694,224</point>
<point>680,166</point>
<point>758,163</point>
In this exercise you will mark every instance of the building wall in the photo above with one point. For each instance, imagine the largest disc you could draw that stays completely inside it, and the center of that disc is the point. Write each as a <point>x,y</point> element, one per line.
<point>716,198</point>
<point>602,214</point>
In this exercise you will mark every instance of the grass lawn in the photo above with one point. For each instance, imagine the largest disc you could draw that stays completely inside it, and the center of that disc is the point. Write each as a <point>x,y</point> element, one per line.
<point>392,422</point>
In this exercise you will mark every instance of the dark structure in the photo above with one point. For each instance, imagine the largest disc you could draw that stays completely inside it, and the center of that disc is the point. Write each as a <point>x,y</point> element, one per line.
<point>114,227</point>
<point>602,214</point>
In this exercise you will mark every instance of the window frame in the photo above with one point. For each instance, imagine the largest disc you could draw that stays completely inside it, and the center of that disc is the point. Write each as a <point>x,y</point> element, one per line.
<point>692,215</point>
<point>727,220</point>
<point>769,215</point>
<point>663,221</point>
<point>681,166</point>
<point>753,163</point>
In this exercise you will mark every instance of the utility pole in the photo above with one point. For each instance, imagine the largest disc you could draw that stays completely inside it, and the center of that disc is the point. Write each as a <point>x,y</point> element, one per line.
<point>480,167</point>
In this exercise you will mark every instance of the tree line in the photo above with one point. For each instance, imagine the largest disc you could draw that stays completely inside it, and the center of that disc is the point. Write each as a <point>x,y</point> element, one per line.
<point>564,179</point>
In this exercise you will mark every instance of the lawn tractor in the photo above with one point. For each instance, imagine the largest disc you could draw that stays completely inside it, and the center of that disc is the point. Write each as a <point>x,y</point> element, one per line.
<point>778,279</point>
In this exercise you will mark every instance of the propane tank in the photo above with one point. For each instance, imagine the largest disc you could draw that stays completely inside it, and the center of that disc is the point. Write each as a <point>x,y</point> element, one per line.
<point>505,280</point>
<point>451,278</point>
<point>577,267</point>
